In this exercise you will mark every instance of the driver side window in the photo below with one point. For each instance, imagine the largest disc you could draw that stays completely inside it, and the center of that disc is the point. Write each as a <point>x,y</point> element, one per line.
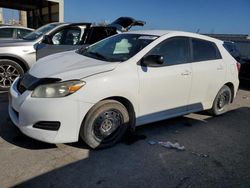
<point>174,51</point>
<point>69,36</point>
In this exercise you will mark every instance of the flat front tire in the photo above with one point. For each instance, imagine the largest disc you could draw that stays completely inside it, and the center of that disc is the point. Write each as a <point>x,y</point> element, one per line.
<point>9,71</point>
<point>221,101</point>
<point>105,124</point>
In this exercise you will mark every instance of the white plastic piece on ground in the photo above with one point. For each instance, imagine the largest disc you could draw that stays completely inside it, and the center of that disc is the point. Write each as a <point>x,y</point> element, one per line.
<point>171,145</point>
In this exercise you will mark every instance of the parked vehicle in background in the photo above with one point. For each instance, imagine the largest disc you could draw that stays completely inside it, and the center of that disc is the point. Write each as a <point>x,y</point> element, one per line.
<point>245,69</point>
<point>13,32</point>
<point>244,61</point>
<point>232,49</point>
<point>123,81</point>
<point>17,56</point>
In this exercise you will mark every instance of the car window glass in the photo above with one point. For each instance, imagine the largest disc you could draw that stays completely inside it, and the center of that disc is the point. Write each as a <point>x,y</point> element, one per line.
<point>6,33</point>
<point>118,48</point>
<point>174,51</point>
<point>204,50</point>
<point>22,32</point>
<point>70,36</point>
<point>41,31</point>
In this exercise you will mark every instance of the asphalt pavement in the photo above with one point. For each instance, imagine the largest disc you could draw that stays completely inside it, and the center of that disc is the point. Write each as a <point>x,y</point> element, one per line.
<point>217,153</point>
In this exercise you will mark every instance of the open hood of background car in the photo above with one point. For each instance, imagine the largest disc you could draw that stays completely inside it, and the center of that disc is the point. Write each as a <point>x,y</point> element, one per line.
<point>125,23</point>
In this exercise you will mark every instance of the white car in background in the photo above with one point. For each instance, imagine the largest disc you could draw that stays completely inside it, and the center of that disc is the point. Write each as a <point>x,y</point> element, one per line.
<point>126,80</point>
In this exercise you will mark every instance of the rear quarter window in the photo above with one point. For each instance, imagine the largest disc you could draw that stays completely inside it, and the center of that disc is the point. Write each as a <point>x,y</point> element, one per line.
<point>204,50</point>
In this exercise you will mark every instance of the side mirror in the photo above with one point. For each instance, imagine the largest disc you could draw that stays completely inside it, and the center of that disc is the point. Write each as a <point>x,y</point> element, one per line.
<point>153,60</point>
<point>47,39</point>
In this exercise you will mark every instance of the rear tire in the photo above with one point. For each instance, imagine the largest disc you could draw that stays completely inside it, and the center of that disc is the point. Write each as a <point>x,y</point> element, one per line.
<point>105,124</point>
<point>221,101</point>
<point>9,71</point>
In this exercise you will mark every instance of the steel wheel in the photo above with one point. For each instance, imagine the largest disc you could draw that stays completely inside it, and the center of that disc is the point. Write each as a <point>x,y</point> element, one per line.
<point>221,101</point>
<point>105,124</point>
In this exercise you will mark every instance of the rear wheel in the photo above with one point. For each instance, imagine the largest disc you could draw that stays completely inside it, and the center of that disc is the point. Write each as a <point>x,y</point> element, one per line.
<point>9,71</point>
<point>105,124</point>
<point>221,101</point>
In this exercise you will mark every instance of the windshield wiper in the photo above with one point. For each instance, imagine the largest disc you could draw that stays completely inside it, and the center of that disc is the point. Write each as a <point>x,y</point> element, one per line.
<point>98,55</point>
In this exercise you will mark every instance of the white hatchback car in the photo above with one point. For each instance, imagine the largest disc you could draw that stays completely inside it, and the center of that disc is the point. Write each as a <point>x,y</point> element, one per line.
<point>127,80</point>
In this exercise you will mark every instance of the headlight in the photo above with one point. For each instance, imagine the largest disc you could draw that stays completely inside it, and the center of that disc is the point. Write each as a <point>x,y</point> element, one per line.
<point>60,89</point>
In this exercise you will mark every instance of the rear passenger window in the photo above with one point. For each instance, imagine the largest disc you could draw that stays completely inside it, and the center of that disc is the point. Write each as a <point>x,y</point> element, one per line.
<point>204,50</point>
<point>174,51</point>
<point>6,33</point>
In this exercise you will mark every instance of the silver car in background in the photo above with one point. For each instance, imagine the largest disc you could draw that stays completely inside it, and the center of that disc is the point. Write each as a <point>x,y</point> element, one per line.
<point>17,56</point>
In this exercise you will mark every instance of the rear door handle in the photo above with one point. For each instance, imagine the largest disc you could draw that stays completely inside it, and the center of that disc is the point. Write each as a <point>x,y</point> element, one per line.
<point>220,67</point>
<point>185,73</point>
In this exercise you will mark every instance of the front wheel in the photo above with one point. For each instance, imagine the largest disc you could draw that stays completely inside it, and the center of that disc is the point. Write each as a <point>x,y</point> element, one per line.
<point>105,124</point>
<point>9,71</point>
<point>221,101</point>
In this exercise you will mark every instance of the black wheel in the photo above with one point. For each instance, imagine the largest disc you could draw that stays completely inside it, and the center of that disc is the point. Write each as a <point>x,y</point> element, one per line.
<point>105,124</point>
<point>9,71</point>
<point>221,101</point>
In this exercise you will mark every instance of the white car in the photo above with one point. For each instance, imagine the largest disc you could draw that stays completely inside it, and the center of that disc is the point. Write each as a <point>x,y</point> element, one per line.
<point>126,80</point>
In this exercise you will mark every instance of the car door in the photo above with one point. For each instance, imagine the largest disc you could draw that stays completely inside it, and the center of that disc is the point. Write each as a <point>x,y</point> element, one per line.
<point>208,73</point>
<point>164,90</point>
<point>65,39</point>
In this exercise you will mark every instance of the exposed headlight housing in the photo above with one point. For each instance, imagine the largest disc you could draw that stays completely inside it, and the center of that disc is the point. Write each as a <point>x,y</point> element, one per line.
<point>56,90</point>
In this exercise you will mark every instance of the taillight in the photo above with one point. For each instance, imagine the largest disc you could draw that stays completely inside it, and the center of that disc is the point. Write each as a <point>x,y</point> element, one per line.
<point>238,66</point>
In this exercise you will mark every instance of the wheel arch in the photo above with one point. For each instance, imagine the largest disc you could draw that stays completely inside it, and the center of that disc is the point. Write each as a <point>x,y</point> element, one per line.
<point>231,86</point>
<point>20,61</point>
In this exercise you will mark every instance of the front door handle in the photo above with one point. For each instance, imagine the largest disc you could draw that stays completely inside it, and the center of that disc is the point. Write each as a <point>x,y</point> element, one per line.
<point>185,73</point>
<point>220,67</point>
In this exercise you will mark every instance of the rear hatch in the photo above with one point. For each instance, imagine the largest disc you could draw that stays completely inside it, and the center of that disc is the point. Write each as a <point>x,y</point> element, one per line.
<point>125,23</point>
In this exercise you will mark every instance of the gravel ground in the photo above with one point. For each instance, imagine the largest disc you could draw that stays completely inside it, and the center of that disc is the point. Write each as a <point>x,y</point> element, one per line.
<point>217,152</point>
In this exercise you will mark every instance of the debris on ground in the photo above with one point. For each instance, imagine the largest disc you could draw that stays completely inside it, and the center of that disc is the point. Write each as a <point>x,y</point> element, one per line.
<point>171,145</point>
<point>200,154</point>
<point>245,97</point>
<point>152,142</point>
<point>167,144</point>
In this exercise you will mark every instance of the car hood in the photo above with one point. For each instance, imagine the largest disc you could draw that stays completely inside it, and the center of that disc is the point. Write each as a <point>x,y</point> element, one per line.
<point>15,42</point>
<point>69,65</point>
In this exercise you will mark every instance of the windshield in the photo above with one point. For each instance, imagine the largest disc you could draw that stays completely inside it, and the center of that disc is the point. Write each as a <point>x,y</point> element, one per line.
<point>41,31</point>
<point>120,47</point>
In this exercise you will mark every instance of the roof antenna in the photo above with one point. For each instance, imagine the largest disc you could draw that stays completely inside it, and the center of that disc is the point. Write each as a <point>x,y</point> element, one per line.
<point>198,30</point>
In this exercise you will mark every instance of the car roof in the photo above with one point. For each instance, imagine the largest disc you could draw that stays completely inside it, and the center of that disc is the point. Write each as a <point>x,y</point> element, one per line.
<point>169,32</point>
<point>16,26</point>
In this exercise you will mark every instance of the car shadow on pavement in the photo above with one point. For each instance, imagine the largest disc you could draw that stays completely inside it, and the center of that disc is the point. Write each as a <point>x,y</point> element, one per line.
<point>142,164</point>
